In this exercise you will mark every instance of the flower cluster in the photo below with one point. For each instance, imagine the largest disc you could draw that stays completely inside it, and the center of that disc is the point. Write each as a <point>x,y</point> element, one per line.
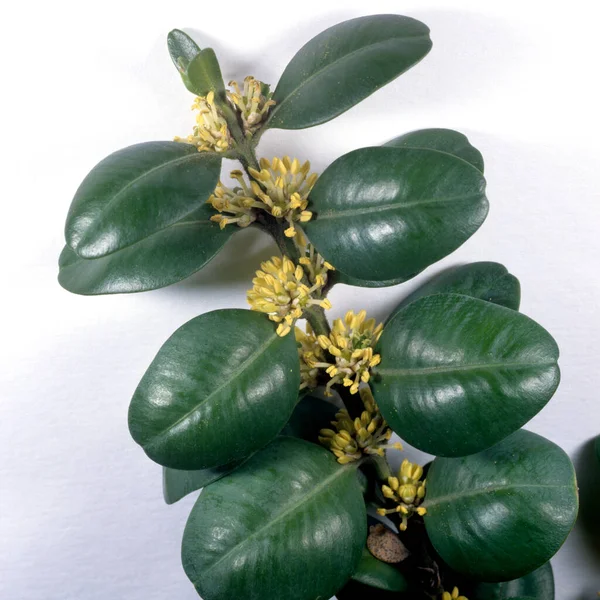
<point>280,188</point>
<point>252,102</point>
<point>454,595</point>
<point>367,434</point>
<point>211,133</point>
<point>281,292</point>
<point>310,354</point>
<point>350,344</point>
<point>407,491</point>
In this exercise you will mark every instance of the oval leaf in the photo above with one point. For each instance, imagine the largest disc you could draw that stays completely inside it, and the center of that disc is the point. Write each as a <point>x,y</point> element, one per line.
<point>504,512</point>
<point>488,281</point>
<point>538,585</point>
<point>161,259</point>
<point>459,374</point>
<point>388,213</point>
<point>222,386</point>
<point>310,416</point>
<point>136,192</point>
<point>343,65</point>
<point>290,523</point>
<point>204,73</point>
<point>182,48</point>
<point>177,484</point>
<point>380,575</point>
<point>442,140</point>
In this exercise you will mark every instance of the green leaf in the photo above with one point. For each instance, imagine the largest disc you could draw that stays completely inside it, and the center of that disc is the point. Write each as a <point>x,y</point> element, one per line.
<point>310,416</point>
<point>289,523</point>
<point>377,574</point>
<point>488,281</point>
<point>204,73</point>
<point>136,192</point>
<point>442,140</point>
<point>161,259</point>
<point>221,387</point>
<point>538,585</point>
<point>177,484</point>
<point>343,65</point>
<point>388,213</point>
<point>182,48</point>
<point>597,446</point>
<point>459,374</point>
<point>354,590</point>
<point>504,512</point>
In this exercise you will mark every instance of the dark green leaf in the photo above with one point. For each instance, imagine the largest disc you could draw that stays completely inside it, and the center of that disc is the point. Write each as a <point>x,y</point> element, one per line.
<point>177,484</point>
<point>459,374</point>
<point>488,281</point>
<point>504,512</point>
<point>597,446</point>
<point>289,523</point>
<point>388,213</point>
<point>340,277</point>
<point>343,65</point>
<point>136,192</point>
<point>377,574</point>
<point>310,416</point>
<point>538,585</point>
<point>182,49</point>
<point>354,590</point>
<point>161,259</point>
<point>221,387</point>
<point>443,140</point>
<point>204,73</point>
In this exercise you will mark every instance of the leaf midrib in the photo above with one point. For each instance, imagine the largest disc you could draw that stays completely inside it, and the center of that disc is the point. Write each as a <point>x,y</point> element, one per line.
<point>398,205</point>
<point>233,376</point>
<point>409,38</point>
<point>489,490</point>
<point>459,368</point>
<point>290,509</point>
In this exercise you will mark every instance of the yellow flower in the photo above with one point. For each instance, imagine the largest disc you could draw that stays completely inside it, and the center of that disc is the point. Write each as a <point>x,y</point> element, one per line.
<point>407,491</point>
<point>211,133</point>
<point>252,102</point>
<point>454,595</point>
<point>367,434</point>
<point>350,345</point>
<point>310,354</point>
<point>279,290</point>
<point>280,188</point>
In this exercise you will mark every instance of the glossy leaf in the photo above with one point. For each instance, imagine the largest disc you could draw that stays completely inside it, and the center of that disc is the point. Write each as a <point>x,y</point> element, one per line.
<point>442,140</point>
<point>459,374</point>
<point>178,484</point>
<point>388,213</point>
<point>310,416</point>
<point>221,387</point>
<point>161,259</point>
<point>182,48</point>
<point>289,523</point>
<point>343,65</point>
<point>538,585</point>
<point>204,73</point>
<point>377,574</point>
<point>504,512</point>
<point>136,192</point>
<point>488,281</point>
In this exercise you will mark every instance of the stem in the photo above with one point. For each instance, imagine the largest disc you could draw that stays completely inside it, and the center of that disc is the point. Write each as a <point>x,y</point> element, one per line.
<point>273,227</point>
<point>315,315</point>
<point>353,402</point>
<point>244,150</point>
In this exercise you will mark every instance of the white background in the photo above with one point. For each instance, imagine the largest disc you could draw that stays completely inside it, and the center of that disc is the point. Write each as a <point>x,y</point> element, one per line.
<point>81,512</point>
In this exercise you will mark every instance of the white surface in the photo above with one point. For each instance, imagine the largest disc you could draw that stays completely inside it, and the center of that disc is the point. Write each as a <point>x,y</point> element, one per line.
<point>81,513</point>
